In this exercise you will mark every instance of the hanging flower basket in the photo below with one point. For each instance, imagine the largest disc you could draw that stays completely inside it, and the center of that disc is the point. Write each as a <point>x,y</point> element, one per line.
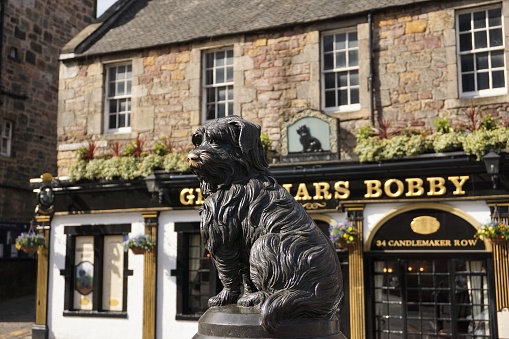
<point>139,244</point>
<point>497,232</point>
<point>29,242</point>
<point>343,234</point>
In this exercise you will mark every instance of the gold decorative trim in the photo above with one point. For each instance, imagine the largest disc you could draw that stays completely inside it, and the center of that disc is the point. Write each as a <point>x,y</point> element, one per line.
<point>425,225</point>
<point>313,205</point>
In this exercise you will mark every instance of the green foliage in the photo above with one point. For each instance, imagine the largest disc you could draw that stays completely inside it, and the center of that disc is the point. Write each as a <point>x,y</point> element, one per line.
<point>265,141</point>
<point>442,125</point>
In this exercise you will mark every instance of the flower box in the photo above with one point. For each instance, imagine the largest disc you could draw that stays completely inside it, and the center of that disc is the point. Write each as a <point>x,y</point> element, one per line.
<point>139,244</point>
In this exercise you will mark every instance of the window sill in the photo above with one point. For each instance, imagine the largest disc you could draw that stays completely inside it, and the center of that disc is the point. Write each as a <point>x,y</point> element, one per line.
<point>95,314</point>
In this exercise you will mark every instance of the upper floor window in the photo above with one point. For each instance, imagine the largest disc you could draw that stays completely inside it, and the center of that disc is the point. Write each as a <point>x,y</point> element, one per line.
<point>481,59</point>
<point>5,145</point>
<point>218,84</point>
<point>340,72</point>
<point>96,270</point>
<point>118,98</point>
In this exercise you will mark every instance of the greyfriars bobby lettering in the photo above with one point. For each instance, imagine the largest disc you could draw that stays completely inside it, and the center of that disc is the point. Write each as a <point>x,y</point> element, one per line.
<point>268,252</point>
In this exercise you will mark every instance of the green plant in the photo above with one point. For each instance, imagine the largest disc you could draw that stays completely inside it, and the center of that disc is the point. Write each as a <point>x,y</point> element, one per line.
<point>492,230</point>
<point>141,241</point>
<point>265,141</point>
<point>343,231</point>
<point>442,125</point>
<point>161,147</point>
<point>87,153</point>
<point>27,239</point>
<point>134,148</point>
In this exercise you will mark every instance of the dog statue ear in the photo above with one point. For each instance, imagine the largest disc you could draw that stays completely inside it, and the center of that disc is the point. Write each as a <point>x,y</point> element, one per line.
<point>249,135</point>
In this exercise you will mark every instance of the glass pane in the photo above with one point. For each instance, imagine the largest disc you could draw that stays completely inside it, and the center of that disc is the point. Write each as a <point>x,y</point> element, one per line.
<point>112,123</point>
<point>353,60</point>
<point>468,82</point>
<point>211,112</point>
<point>354,96</point>
<point>221,94</point>
<point>121,121</point>
<point>220,58</point>
<point>498,79</point>
<point>483,81</point>
<point>219,75</point>
<point>229,57</point>
<point>229,74</point>
<point>111,89</point>
<point>83,273</point>
<point>496,37</point>
<point>220,110</point>
<point>481,60</point>
<point>120,88</point>
<point>129,71</point>
<point>123,106</point>
<point>343,97</point>
<point>340,59</point>
<point>211,95</point>
<point>209,60</point>
<point>354,78</point>
<point>464,22</point>
<point>480,39</point>
<point>330,99</point>
<point>327,43</point>
<point>128,87</point>
<point>343,79</point>
<point>209,78</point>
<point>465,42</point>
<point>328,61</point>
<point>112,106</point>
<point>128,122</point>
<point>330,80</point>
<point>480,19</point>
<point>121,70</point>
<point>497,59</point>
<point>230,93</point>
<point>340,41</point>
<point>230,108</point>
<point>112,74</point>
<point>495,17</point>
<point>113,273</point>
<point>352,40</point>
<point>467,63</point>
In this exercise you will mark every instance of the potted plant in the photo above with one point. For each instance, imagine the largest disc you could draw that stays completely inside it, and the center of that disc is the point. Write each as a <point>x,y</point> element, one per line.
<point>495,231</point>
<point>29,242</point>
<point>139,244</point>
<point>343,234</point>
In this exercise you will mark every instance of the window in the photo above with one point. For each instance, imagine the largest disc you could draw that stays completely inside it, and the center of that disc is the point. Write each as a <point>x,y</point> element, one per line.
<point>197,279</point>
<point>218,84</point>
<point>481,58</point>
<point>5,146</point>
<point>432,298</point>
<point>118,98</point>
<point>96,270</point>
<point>340,72</point>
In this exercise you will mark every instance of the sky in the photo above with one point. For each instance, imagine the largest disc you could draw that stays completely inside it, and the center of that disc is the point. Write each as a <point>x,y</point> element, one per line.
<point>103,5</point>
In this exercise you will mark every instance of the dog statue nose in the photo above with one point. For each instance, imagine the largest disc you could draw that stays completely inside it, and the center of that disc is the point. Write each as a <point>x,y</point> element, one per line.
<point>192,157</point>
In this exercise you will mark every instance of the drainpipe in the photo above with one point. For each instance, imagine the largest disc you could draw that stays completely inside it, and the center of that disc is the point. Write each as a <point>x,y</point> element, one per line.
<point>371,67</point>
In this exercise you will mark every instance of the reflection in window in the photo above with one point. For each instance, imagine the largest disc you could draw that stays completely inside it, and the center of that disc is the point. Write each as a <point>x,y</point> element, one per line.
<point>481,52</point>
<point>431,299</point>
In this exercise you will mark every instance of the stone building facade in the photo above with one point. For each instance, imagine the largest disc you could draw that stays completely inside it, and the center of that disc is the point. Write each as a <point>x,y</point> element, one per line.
<point>31,35</point>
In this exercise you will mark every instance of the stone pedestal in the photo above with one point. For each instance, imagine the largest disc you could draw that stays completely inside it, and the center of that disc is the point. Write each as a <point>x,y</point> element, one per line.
<point>244,322</point>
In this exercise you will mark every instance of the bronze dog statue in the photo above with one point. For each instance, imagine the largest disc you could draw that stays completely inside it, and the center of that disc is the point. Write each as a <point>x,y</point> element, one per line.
<point>267,250</point>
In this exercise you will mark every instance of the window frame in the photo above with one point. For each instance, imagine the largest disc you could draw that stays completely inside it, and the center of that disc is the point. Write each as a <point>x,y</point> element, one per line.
<point>184,231</point>
<point>350,107</point>
<point>490,91</point>
<point>216,86</point>
<point>6,137</point>
<point>98,232</point>
<point>117,98</point>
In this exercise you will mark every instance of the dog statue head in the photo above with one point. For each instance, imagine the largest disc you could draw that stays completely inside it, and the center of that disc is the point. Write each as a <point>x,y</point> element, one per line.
<point>226,150</point>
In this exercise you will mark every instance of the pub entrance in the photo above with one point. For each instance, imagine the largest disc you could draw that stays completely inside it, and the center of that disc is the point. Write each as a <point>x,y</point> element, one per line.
<point>431,297</point>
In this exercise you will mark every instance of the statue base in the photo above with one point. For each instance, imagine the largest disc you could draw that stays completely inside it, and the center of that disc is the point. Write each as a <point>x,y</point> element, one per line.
<point>233,321</point>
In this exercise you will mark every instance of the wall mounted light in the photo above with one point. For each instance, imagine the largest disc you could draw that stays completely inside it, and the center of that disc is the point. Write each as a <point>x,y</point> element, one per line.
<point>154,186</point>
<point>492,163</point>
